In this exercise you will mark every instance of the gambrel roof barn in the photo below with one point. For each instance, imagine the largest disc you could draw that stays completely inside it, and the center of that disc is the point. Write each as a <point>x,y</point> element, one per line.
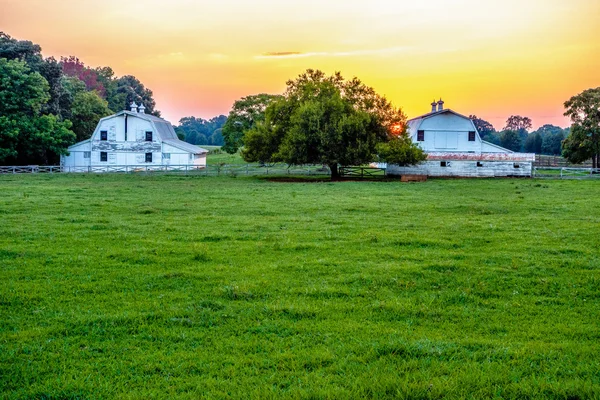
<point>455,148</point>
<point>130,138</point>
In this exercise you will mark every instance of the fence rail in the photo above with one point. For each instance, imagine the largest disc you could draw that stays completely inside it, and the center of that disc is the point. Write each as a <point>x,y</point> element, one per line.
<point>542,160</point>
<point>362,172</point>
<point>566,173</point>
<point>208,170</point>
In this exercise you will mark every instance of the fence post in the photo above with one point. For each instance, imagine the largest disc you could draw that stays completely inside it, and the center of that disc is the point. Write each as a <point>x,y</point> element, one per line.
<point>246,169</point>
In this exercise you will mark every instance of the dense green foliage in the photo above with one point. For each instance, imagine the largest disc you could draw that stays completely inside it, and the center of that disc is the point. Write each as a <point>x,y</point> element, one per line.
<point>86,111</point>
<point>26,135</point>
<point>400,150</point>
<point>182,287</point>
<point>584,142</point>
<point>48,104</point>
<point>200,131</point>
<point>243,115</point>
<point>511,140</point>
<point>324,120</point>
<point>546,140</point>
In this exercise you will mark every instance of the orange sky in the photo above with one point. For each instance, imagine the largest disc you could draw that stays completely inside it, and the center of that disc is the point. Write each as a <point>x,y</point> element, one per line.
<point>491,58</point>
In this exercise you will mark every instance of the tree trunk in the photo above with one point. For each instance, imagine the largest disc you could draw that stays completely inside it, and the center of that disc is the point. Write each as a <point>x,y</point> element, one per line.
<point>335,173</point>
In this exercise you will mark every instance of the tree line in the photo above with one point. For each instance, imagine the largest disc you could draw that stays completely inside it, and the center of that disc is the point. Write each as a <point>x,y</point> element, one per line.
<point>517,135</point>
<point>578,143</point>
<point>48,104</point>
<point>200,131</point>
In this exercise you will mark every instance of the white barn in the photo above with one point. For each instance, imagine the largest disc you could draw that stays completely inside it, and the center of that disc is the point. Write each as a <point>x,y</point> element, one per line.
<point>133,138</point>
<point>454,148</point>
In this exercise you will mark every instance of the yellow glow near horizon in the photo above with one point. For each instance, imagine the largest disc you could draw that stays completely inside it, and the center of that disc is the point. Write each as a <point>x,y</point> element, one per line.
<point>492,58</point>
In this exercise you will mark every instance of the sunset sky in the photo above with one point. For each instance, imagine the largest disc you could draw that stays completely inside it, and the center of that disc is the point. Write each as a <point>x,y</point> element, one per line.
<point>491,58</point>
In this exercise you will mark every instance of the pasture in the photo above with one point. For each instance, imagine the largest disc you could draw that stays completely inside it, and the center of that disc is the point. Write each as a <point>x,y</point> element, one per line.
<point>135,286</point>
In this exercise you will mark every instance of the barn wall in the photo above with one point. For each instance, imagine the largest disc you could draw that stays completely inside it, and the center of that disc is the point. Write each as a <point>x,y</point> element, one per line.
<point>178,156</point>
<point>76,155</point>
<point>465,169</point>
<point>450,132</point>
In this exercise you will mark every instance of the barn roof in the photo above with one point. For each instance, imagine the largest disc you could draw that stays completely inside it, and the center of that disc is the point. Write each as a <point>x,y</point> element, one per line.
<point>433,114</point>
<point>165,131</point>
<point>180,144</point>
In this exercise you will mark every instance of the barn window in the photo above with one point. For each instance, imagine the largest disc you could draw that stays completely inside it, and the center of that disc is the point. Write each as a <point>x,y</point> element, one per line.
<point>471,136</point>
<point>443,163</point>
<point>103,156</point>
<point>103,135</point>
<point>148,157</point>
<point>515,165</point>
<point>167,156</point>
<point>148,136</point>
<point>87,154</point>
<point>479,164</point>
<point>420,136</point>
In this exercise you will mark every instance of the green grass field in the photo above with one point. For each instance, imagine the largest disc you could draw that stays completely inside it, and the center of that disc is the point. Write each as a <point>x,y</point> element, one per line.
<point>223,157</point>
<point>132,286</point>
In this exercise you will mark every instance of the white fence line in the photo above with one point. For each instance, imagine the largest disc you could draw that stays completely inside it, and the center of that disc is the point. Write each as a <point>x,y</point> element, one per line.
<point>209,170</point>
<point>566,173</point>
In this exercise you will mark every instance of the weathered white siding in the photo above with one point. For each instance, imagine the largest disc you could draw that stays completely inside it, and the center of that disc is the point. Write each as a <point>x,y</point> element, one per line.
<point>464,169</point>
<point>445,139</point>
<point>78,155</point>
<point>126,144</point>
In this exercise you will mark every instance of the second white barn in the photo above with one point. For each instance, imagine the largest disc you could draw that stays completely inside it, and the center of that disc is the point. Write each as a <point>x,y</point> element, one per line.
<point>455,148</point>
<point>133,138</point>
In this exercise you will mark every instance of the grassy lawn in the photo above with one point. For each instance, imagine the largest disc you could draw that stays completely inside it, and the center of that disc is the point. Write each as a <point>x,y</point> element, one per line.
<point>225,158</point>
<point>191,287</point>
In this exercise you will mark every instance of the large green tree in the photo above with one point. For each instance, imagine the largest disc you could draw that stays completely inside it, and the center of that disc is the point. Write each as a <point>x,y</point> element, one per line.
<point>533,143</point>
<point>244,114</point>
<point>584,141</point>
<point>552,137</point>
<point>129,89</point>
<point>26,135</point>
<point>325,120</point>
<point>511,140</point>
<point>88,108</point>
<point>49,68</point>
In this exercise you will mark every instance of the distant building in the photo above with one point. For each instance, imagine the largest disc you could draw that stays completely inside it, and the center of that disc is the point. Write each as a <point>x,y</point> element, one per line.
<point>454,148</point>
<point>131,138</point>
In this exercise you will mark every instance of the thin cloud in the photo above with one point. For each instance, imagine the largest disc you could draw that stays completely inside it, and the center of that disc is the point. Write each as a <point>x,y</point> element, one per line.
<point>281,53</point>
<point>352,53</point>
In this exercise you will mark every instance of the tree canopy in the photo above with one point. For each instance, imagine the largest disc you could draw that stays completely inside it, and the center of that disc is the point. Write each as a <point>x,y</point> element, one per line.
<point>245,113</point>
<point>200,131</point>
<point>46,101</point>
<point>584,141</point>
<point>327,120</point>
<point>518,123</point>
<point>26,135</point>
<point>511,140</point>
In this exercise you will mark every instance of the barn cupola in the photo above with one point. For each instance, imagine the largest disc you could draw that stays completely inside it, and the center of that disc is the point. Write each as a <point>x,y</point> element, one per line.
<point>440,105</point>
<point>133,107</point>
<point>433,105</point>
<point>142,109</point>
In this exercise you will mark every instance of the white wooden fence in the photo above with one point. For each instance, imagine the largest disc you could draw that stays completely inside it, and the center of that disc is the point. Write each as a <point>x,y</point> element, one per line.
<point>209,170</point>
<point>566,173</point>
